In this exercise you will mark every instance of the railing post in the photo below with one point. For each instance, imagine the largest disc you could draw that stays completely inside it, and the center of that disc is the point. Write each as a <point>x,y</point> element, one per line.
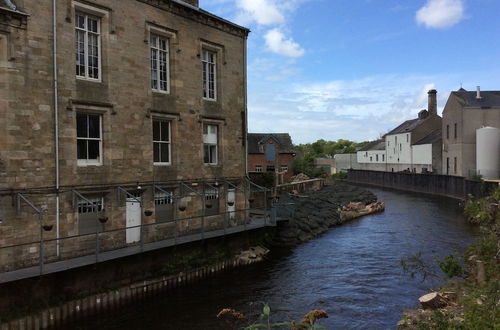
<point>42,245</point>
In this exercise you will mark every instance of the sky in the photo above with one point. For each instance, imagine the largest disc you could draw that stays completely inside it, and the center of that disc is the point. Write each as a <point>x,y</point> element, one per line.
<point>354,69</point>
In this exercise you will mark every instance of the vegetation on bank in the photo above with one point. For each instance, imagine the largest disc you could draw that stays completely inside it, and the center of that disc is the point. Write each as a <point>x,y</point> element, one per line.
<point>232,319</point>
<point>473,301</point>
<point>304,161</point>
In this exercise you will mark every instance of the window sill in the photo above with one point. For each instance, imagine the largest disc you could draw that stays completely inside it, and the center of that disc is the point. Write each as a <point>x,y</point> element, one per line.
<point>160,92</point>
<point>209,100</point>
<point>162,164</point>
<point>89,79</point>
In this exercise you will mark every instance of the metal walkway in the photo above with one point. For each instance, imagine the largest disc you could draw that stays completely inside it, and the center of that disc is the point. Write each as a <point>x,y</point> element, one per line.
<point>91,259</point>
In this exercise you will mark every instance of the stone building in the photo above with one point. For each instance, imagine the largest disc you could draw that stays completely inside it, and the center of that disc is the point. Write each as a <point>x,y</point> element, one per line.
<point>271,152</point>
<point>465,115</point>
<point>130,112</point>
<point>413,146</point>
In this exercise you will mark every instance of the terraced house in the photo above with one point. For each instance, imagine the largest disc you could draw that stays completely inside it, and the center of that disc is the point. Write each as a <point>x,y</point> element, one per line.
<point>117,117</point>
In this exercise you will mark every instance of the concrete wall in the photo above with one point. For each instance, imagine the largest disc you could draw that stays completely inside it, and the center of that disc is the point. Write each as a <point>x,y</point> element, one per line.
<point>344,162</point>
<point>399,148</point>
<point>452,186</point>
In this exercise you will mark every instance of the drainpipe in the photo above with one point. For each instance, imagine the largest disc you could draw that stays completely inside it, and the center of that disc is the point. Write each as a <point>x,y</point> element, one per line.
<point>245,101</point>
<point>56,120</point>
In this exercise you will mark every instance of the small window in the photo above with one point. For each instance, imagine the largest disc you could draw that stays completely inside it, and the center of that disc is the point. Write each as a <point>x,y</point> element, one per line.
<point>159,47</point>
<point>210,140</point>
<point>447,165</point>
<point>383,158</point>
<point>284,168</point>
<point>209,65</point>
<point>270,168</point>
<point>88,46</point>
<point>164,206</point>
<point>407,137</point>
<point>89,139</point>
<point>396,140</point>
<point>371,158</point>
<point>376,158</point>
<point>258,168</point>
<point>161,142</point>
<point>400,147</point>
<point>211,201</point>
<point>88,215</point>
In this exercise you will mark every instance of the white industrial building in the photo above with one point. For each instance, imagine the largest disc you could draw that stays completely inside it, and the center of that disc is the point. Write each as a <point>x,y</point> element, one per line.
<point>413,146</point>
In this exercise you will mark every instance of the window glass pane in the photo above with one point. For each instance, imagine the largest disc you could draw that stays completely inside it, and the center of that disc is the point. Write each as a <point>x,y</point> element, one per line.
<point>165,153</point>
<point>156,130</point>
<point>156,152</point>
<point>81,149</point>
<point>213,154</point>
<point>94,126</point>
<point>81,125</point>
<point>165,131</point>
<point>206,154</point>
<point>93,149</point>
<point>80,21</point>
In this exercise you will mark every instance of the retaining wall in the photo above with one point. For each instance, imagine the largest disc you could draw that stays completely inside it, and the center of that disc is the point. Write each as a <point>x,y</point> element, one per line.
<point>445,185</point>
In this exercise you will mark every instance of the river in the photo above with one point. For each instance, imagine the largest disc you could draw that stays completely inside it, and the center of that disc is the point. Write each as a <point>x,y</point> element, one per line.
<point>352,271</point>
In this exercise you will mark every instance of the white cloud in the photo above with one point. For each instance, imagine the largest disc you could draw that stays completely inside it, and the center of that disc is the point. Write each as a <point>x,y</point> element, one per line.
<point>263,12</point>
<point>277,42</point>
<point>440,14</point>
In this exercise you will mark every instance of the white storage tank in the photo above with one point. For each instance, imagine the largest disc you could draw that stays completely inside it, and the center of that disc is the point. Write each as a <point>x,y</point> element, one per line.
<point>488,152</point>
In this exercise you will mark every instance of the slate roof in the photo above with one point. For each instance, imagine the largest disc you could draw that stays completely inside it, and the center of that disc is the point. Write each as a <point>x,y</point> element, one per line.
<point>284,139</point>
<point>407,126</point>
<point>430,138</point>
<point>488,99</point>
<point>374,145</point>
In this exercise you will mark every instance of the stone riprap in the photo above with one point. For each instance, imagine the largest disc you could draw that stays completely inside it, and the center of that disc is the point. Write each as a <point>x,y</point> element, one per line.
<point>313,213</point>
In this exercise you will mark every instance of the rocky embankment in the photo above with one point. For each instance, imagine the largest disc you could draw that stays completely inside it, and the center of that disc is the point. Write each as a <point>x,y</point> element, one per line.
<point>313,213</point>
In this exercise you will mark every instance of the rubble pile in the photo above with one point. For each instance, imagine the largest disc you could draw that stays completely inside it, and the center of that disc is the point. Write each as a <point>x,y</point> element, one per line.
<point>300,177</point>
<point>313,213</point>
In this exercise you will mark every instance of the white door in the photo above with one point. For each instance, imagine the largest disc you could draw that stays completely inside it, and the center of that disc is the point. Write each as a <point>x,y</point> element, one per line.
<point>133,220</point>
<point>231,199</point>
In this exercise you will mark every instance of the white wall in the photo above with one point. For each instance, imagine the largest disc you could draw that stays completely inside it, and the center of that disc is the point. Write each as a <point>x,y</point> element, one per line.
<point>422,154</point>
<point>398,148</point>
<point>372,157</point>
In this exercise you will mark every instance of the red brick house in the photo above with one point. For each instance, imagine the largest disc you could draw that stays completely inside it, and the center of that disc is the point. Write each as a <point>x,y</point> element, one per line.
<point>271,152</point>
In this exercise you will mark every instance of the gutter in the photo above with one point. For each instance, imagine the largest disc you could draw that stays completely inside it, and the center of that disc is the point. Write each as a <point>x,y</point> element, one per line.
<point>56,120</point>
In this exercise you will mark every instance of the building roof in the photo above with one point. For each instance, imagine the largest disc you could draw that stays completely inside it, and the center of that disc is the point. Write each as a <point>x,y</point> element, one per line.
<point>430,138</point>
<point>374,145</point>
<point>488,99</point>
<point>256,139</point>
<point>408,126</point>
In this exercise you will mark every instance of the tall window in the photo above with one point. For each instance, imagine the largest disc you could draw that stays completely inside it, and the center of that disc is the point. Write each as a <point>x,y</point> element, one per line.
<point>159,63</point>
<point>258,168</point>
<point>89,139</point>
<point>161,142</point>
<point>209,74</point>
<point>456,133</point>
<point>455,165</point>
<point>210,139</point>
<point>88,44</point>
<point>447,131</point>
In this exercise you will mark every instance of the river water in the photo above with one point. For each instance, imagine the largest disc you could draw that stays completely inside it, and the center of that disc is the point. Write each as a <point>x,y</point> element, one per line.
<point>352,271</point>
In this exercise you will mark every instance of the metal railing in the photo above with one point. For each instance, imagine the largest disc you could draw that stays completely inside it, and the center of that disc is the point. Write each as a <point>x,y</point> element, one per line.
<point>21,260</point>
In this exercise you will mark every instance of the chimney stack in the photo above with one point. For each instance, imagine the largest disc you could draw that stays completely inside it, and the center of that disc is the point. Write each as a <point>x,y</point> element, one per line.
<point>478,96</point>
<point>432,106</point>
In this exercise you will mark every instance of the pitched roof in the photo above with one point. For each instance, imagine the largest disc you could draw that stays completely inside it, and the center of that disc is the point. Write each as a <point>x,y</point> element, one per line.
<point>374,145</point>
<point>283,139</point>
<point>488,99</point>
<point>430,138</point>
<point>407,126</point>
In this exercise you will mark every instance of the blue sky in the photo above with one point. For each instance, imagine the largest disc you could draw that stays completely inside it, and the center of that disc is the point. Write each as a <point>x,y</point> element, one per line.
<point>353,69</point>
